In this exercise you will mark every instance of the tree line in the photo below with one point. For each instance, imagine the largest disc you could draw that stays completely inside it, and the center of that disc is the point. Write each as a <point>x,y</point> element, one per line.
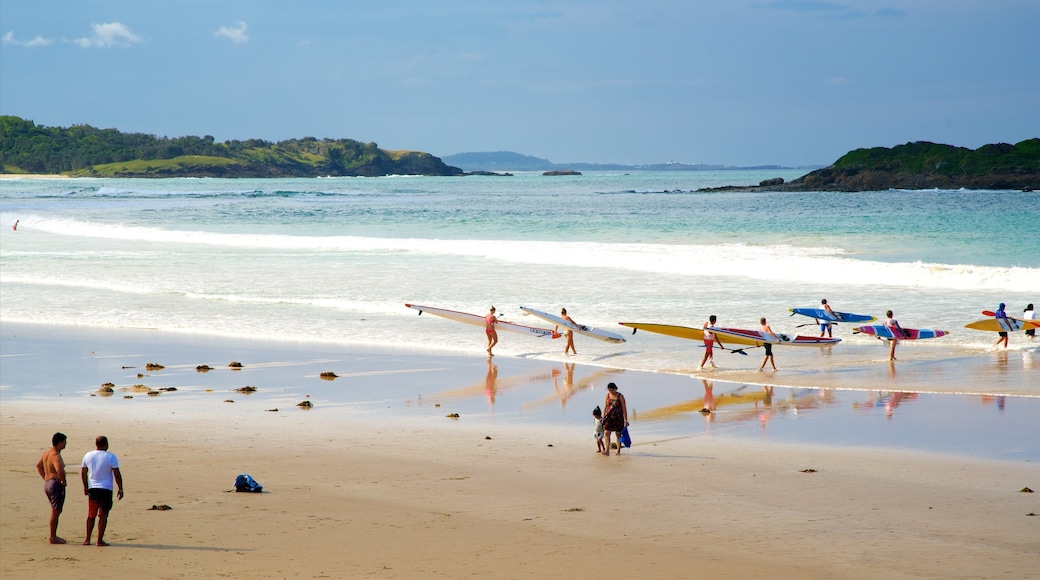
<point>31,148</point>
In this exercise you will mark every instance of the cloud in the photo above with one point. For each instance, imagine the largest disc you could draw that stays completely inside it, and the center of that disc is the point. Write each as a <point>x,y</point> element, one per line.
<point>9,39</point>
<point>108,35</point>
<point>237,34</point>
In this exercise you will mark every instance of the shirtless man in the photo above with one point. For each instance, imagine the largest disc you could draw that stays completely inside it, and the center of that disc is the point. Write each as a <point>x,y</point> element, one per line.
<point>52,469</point>
<point>768,346</point>
<point>826,327</point>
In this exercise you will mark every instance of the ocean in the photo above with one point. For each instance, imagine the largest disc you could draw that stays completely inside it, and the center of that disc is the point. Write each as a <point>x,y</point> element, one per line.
<point>334,260</point>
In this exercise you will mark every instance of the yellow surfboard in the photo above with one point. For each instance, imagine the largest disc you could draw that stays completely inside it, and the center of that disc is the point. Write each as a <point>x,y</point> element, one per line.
<point>688,333</point>
<point>1002,325</point>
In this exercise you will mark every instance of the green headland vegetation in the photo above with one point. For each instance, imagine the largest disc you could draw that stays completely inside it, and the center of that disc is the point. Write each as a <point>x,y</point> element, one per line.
<point>82,150</point>
<point>921,165</point>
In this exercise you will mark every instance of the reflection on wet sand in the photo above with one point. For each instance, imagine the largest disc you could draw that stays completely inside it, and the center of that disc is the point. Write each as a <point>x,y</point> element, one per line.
<point>491,384</point>
<point>740,404</point>
<point>570,388</point>
<point>888,401</point>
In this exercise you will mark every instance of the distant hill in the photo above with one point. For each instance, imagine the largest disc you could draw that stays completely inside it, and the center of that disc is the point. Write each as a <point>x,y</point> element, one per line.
<point>510,161</point>
<point>82,150</point>
<point>923,165</point>
<point>498,161</point>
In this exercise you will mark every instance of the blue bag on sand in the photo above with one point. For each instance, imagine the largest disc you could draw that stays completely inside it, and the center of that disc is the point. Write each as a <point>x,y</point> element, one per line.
<point>245,482</point>
<point>625,439</point>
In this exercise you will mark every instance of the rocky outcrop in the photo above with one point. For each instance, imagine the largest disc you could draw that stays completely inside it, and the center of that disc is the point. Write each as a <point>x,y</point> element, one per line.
<point>557,172</point>
<point>920,165</point>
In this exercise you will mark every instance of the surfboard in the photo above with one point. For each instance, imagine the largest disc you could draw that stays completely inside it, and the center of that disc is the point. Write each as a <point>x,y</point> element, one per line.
<point>688,333</point>
<point>478,320</point>
<point>581,329</point>
<point>759,338</point>
<point>882,331</point>
<point>1029,319</point>
<point>821,314</point>
<point>1002,324</point>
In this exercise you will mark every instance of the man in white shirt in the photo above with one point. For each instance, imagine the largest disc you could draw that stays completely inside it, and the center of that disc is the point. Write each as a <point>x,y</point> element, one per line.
<point>99,469</point>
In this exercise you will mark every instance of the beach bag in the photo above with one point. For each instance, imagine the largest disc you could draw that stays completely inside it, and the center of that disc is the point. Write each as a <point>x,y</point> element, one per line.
<point>245,482</point>
<point>626,440</point>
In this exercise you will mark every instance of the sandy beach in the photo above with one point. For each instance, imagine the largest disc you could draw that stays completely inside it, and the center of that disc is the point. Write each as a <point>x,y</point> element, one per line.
<point>4,176</point>
<point>351,491</point>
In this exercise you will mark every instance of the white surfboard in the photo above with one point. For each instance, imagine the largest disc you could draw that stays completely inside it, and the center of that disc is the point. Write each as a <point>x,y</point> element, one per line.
<point>478,320</point>
<point>581,329</point>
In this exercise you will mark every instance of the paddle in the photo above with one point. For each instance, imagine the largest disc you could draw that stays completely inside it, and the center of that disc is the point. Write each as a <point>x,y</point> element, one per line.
<point>1019,320</point>
<point>731,350</point>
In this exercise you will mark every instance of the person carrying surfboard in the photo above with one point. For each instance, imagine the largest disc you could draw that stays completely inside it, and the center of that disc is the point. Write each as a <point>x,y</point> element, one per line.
<point>826,326</point>
<point>768,346</point>
<point>1002,336</point>
<point>568,332</point>
<point>897,330</point>
<point>489,328</point>
<point>1028,314</point>
<point>709,342</point>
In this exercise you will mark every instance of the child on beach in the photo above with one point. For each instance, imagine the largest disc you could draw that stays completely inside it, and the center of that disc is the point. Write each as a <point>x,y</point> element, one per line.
<point>598,415</point>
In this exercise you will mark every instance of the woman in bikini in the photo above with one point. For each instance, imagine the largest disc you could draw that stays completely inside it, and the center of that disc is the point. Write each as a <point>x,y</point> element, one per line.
<point>489,328</point>
<point>567,332</point>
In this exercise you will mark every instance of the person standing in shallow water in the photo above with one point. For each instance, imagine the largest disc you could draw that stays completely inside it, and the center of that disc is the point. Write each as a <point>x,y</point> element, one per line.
<point>567,332</point>
<point>827,327</point>
<point>768,346</point>
<point>52,469</point>
<point>1028,315</point>
<point>615,416</point>
<point>1002,336</point>
<point>897,331</point>
<point>489,328</point>
<point>709,342</point>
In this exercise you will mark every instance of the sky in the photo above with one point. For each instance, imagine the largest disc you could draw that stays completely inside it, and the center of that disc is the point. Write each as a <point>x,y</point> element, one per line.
<point>733,82</point>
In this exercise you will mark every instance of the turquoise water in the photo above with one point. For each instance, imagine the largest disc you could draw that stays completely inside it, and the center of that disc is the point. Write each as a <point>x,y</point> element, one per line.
<point>335,259</point>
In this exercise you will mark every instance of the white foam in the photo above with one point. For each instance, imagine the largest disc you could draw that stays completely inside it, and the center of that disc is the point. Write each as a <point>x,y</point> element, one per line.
<point>764,263</point>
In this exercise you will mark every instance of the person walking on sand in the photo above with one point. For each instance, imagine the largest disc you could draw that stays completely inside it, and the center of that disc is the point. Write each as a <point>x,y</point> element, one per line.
<point>827,326</point>
<point>568,332</point>
<point>99,470</point>
<point>1002,336</point>
<point>597,416</point>
<point>1028,314</point>
<point>52,469</point>
<point>489,328</point>
<point>897,331</point>
<point>615,417</point>
<point>768,346</point>
<point>709,342</point>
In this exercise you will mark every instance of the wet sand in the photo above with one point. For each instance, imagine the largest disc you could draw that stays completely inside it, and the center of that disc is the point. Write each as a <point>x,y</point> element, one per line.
<point>387,486</point>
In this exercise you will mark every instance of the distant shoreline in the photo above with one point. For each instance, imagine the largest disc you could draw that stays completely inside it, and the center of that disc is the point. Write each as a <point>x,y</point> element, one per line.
<point>11,176</point>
